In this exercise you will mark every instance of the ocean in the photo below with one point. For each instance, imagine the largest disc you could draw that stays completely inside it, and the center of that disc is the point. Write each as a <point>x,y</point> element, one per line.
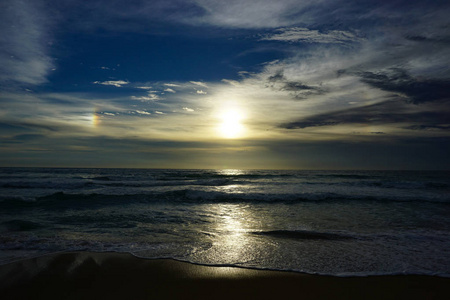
<point>340,223</point>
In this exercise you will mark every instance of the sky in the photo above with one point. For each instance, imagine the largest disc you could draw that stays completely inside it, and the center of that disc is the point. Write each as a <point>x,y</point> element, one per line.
<point>242,84</point>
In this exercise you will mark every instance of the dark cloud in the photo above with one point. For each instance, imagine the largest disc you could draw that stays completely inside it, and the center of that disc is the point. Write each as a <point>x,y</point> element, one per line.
<point>416,38</point>
<point>18,126</point>
<point>404,153</point>
<point>28,137</point>
<point>298,89</point>
<point>7,127</point>
<point>22,138</point>
<point>279,76</point>
<point>36,126</point>
<point>425,39</point>
<point>392,111</point>
<point>376,154</point>
<point>428,127</point>
<point>416,90</point>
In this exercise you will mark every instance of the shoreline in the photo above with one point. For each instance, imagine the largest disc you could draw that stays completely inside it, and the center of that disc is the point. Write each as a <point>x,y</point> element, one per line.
<point>91,275</point>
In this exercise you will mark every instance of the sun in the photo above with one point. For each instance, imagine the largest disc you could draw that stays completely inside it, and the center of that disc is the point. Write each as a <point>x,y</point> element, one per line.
<point>231,123</point>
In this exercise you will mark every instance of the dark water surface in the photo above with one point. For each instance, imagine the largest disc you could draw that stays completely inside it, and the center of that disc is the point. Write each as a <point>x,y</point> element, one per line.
<point>327,222</point>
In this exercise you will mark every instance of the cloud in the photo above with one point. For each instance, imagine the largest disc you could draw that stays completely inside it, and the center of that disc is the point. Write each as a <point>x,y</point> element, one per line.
<point>299,89</point>
<point>415,90</point>
<point>305,35</point>
<point>149,97</point>
<point>429,127</point>
<point>252,13</point>
<point>392,85</point>
<point>116,83</point>
<point>25,39</point>
<point>388,112</point>
<point>199,83</point>
<point>141,112</point>
<point>231,82</point>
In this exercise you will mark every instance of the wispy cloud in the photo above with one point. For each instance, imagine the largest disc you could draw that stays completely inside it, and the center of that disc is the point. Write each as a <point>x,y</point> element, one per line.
<point>305,35</point>
<point>25,36</point>
<point>251,13</point>
<point>199,83</point>
<point>149,97</point>
<point>116,83</point>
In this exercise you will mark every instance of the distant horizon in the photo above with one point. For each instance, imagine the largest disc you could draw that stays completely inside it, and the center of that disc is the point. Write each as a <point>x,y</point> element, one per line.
<point>224,169</point>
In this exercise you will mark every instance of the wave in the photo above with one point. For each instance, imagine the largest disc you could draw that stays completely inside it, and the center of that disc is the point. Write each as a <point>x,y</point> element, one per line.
<point>186,179</point>
<point>45,185</point>
<point>301,271</point>
<point>98,182</point>
<point>304,235</point>
<point>347,176</point>
<point>45,247</point>
<point>143,184</point>
<point>405,185</point>
<point>62,200</point>
<point>18,225</point>
<point>101,178</point>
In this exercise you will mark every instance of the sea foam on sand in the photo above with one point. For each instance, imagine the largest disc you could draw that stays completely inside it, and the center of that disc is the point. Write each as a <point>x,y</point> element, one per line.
<point>86,275</point>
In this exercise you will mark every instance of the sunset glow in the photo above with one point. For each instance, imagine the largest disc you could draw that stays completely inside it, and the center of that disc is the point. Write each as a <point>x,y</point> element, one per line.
<point>234,84</point>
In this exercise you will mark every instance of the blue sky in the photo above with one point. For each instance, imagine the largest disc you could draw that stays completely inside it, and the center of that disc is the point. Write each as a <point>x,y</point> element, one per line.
<point>225,84</point>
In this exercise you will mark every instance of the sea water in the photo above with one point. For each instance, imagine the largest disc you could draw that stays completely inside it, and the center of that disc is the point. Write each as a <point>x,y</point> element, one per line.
<point>342,223</point>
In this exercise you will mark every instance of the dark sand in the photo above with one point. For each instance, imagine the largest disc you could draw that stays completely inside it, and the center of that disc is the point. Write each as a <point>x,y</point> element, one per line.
<point>122,276</point>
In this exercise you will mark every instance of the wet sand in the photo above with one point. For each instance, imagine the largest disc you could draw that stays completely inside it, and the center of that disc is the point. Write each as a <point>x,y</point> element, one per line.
<point>87,275</point>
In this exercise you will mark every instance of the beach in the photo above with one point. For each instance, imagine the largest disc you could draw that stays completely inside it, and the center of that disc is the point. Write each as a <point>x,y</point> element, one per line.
<point>223,234</point>
<point>88,275</point>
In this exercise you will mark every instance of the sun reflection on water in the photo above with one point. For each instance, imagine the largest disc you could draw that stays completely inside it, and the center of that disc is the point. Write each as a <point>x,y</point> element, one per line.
<point>232,242</point>
<point>230,172</point>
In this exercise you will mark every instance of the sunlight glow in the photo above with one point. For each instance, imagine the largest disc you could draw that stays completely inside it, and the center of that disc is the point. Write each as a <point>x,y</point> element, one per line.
<point>231,125</point>
<point>95,119</point>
